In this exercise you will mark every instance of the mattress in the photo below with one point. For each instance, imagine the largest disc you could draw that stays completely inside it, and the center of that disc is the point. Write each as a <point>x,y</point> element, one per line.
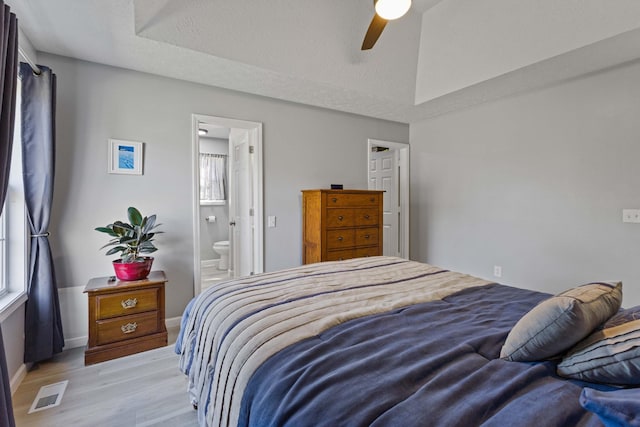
<point>370,341</point>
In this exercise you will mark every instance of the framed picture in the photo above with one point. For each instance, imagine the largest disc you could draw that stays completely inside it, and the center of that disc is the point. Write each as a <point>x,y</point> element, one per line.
<point>125,157</point>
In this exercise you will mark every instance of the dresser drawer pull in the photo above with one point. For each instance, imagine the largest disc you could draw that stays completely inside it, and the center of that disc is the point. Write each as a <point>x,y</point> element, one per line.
<point>340,238</point>
<point>340,218</point>
<point>334,200</point>
<point>366,217</point>
<point>366,236</point>
<point>129,328</point>
<point>129,303</point>
<point>372,199</point>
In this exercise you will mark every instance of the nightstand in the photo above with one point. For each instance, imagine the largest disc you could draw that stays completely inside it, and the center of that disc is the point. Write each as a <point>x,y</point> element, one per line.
<point>125,317</point>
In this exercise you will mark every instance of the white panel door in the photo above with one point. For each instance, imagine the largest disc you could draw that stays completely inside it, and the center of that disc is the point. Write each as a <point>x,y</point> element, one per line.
<point>383,175</point>
<point>240,204</point>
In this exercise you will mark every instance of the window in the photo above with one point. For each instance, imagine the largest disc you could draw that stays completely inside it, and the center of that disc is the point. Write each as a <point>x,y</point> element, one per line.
<point>13,230</point>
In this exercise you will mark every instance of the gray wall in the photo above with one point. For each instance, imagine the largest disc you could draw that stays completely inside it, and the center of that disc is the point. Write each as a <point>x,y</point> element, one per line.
<point>304,147</point>
<point>536,184</point>
<point>13,334</point>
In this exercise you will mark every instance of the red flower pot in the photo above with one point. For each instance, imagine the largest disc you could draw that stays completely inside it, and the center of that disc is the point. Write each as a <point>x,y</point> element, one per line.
<point>132,270</point>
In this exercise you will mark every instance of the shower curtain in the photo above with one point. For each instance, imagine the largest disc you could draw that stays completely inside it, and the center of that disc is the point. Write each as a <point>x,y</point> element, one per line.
<point>213,176</point>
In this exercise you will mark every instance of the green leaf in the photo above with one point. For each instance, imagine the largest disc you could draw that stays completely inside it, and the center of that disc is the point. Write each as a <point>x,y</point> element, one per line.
<point>115,250</point>
<point>107,230</point>
<point>135,217</point>
<point>149,224</point>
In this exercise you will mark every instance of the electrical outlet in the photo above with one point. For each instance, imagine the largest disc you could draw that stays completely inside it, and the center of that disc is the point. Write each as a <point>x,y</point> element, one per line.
<point>631,215</point>
<point>271,221</point>
<point>497,271</point>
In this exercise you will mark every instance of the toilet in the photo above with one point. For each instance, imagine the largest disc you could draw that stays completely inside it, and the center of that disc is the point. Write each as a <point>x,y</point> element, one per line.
<point>222,248</point>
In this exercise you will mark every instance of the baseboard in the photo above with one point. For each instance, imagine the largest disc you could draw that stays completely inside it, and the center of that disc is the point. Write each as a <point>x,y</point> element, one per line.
<point>75,342</point>
<point>173,322</point>
<point>16,380</point>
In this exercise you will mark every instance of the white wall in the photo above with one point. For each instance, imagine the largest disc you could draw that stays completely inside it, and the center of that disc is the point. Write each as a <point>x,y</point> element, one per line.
<point>536,184</point>
<point>304,147</point>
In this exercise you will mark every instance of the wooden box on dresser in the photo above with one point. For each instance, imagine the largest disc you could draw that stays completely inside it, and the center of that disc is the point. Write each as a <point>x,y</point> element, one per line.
<point>125,317</point>
<point>341,224</point>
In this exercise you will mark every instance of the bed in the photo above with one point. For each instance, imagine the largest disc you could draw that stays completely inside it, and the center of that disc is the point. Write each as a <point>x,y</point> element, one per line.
<point>386,342</point>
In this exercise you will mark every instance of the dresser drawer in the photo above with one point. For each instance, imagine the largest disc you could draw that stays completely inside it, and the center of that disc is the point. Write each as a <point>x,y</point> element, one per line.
<point>340,218</point>
<point>340,255</point>
<point>124,303</point>
<point>337,239</point>
<point>352,200</point>
<point>364,252</point>
<point>127,327</point>
<point>367,236</point>
<point>366,217</point>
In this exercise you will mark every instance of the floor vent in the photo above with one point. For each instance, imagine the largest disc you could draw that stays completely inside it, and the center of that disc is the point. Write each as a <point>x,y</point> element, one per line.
<point>48,396</point>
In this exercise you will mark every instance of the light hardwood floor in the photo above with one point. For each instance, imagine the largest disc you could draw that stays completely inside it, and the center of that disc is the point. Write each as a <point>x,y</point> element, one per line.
<point>144,389</point>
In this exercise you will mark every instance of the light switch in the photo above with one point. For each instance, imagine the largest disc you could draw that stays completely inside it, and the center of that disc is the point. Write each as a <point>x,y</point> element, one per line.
<point>271,221</point>
<point>631,215</point>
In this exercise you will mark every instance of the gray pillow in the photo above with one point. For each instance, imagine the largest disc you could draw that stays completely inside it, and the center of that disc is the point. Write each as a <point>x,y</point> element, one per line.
<point>558,323</point>
<point>610,355</point>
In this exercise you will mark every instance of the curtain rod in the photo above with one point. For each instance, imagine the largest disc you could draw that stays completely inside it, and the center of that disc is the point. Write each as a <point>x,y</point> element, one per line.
<point>27,52</point>
<point>34,67</point>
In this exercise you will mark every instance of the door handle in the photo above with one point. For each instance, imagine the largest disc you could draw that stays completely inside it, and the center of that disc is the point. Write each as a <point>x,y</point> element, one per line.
<point>232,223</point>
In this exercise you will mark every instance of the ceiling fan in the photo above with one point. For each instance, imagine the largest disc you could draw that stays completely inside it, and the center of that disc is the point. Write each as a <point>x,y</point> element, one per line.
<point>386,10</point>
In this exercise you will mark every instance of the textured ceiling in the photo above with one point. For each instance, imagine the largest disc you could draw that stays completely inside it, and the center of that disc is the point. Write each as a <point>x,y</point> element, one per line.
<point>304,51</point>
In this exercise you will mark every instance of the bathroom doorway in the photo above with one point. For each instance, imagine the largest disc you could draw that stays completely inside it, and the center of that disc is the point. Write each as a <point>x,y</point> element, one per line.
<point>227,189</point>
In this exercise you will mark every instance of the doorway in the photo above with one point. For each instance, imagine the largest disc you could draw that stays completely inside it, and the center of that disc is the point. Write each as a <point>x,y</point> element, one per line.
<point>388,170</point>
<point>227,214</point>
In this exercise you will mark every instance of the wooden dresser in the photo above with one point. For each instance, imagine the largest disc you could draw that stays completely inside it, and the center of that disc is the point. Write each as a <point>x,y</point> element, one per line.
<point>125,317</point>
<point>341,224</point>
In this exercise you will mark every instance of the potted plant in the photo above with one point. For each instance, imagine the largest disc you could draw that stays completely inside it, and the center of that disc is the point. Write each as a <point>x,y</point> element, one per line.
<point>130,240</point>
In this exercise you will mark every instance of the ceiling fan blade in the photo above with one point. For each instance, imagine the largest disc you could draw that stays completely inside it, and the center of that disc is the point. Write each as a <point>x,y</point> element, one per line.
<point>374,31</point>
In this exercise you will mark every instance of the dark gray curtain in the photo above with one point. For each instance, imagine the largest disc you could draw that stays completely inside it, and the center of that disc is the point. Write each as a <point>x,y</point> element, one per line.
<point>8,66</point>
<point>43,324</point>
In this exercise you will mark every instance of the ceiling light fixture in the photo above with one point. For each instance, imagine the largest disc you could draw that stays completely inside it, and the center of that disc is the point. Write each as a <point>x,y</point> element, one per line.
<point>392,9</point>
<point>202,132</point>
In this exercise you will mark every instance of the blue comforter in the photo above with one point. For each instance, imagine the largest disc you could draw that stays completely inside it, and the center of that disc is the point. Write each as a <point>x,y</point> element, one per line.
<point>430,364</point>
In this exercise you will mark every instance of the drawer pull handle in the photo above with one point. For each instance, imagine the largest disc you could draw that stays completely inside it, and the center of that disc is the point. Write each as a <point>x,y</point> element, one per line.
<point>366,236</point>
<point>129,303</point>
<point>340,218</point>
<point>366,217</point>
<point>340,238</point>
<point>129,328</point>
<point>372,199</point>
<point>334,200</point>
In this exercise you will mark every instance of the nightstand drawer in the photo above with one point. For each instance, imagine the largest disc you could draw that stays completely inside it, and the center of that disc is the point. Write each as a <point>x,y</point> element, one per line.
<point>366,236</point>
<point>127,327</point>
<point>124,303</point>
<point>346,200</point>
<point>337,239</point>
<point>339,218</point>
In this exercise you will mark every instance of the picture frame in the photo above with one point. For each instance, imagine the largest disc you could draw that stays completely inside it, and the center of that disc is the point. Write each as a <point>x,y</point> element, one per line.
<point>125,157</point>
